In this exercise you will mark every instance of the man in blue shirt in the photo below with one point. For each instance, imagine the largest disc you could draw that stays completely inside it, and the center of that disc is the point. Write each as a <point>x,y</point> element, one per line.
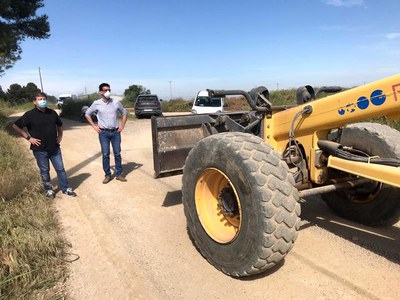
<point>109,129</point>
<point>45,135</point>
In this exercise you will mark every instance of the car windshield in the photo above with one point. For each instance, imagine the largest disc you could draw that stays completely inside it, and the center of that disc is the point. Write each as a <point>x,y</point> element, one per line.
<point>209,102</point>
<point>148,98</point>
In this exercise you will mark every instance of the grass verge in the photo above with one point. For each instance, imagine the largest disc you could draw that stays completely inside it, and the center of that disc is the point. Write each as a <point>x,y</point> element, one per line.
<point>32,247</point>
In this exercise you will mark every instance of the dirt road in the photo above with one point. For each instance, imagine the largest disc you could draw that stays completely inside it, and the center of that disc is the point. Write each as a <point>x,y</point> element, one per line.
<point>130,240</point>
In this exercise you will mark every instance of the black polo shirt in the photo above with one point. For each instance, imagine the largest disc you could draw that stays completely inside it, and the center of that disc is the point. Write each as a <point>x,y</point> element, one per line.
<point>42,126</point>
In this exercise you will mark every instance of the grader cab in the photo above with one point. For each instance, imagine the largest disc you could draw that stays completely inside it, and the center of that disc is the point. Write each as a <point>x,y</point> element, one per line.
<point>244,172</point>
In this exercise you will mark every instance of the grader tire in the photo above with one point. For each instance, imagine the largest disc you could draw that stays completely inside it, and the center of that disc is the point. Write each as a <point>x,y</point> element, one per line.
<point>240,203</point>
<point>374,203</point>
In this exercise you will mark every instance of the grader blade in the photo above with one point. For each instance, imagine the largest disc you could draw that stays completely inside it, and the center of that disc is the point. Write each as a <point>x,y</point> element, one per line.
<point>173,138</point>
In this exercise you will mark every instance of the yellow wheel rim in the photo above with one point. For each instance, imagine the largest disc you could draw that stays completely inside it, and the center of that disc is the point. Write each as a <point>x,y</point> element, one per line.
<point>221,226</point>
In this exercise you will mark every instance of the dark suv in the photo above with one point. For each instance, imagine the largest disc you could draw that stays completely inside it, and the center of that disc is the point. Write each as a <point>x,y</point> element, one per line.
<point>147,105</point>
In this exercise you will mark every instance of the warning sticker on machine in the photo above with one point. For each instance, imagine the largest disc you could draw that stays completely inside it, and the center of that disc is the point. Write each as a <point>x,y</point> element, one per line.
<point>396,91</point>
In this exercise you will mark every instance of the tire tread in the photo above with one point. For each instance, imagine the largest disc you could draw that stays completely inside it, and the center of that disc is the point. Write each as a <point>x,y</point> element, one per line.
<point>279,204</point>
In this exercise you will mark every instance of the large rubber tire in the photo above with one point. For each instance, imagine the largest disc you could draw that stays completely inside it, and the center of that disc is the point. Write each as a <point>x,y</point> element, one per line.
<point>240,168</point>
<point>374,203</point>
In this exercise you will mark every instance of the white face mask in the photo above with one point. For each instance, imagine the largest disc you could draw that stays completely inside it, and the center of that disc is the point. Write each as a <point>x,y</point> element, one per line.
<point>107,94</point>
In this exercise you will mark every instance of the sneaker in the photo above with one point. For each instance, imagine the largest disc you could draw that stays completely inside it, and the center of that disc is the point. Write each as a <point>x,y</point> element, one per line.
<point>69,192</point>
<point>50,194</point>
<point>121,178</point>
<point>107,179</point>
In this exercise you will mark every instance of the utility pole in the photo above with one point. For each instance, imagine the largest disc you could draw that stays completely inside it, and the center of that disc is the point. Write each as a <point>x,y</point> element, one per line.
<point>41,83</point>
<point>170,90</point>
<point>277,86</point>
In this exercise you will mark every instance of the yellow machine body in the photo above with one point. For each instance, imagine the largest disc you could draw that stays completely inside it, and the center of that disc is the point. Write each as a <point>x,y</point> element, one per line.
<point>241,198</point>
<point>380,98</point>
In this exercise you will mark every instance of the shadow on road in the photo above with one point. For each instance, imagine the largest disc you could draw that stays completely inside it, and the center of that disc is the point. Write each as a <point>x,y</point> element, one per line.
<point>172,198</point>
<point>75,181</point>
<point>130,167</point>
<point>127,167</point>
<point>83,164</point>
<point>384,241</point>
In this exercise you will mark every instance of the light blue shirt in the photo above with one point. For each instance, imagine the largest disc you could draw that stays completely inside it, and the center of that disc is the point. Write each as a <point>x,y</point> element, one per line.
<point>107,113</point>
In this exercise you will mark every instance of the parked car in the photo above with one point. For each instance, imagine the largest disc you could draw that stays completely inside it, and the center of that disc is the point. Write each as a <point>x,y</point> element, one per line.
<point>63,98</point>
<point>83,114</point>
<point>203,104</point>
<point>147,106</point>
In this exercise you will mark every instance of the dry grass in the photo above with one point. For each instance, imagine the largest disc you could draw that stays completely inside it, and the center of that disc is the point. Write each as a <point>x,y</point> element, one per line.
<point>5,109</point>
<point>236,104</point>
<point>32,248</point>
<point>15,174</point>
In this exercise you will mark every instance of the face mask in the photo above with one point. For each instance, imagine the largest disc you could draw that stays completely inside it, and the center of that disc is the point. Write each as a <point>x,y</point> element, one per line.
<point>42,103</point>
<point>107,94</point>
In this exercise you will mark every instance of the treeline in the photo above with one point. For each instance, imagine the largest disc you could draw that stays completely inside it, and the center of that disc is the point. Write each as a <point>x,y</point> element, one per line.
<point>17,94</point>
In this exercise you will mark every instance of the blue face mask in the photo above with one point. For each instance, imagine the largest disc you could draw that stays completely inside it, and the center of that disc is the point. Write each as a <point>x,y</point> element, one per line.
<point>42,103</point>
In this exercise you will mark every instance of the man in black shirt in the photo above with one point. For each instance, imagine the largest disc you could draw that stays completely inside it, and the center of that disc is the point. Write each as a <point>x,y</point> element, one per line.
<point>45,135</point>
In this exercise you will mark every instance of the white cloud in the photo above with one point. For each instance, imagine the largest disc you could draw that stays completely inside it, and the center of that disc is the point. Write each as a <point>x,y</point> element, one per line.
<point>393,35</point>
<point>344,3</point>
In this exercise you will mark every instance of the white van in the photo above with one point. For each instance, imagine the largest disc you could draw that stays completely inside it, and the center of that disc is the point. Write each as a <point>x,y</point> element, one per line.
<point>203,104</point>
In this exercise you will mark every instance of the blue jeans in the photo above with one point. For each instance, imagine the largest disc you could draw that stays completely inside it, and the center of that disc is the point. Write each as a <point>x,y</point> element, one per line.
<point>113,137</point>
<point>43,158</point>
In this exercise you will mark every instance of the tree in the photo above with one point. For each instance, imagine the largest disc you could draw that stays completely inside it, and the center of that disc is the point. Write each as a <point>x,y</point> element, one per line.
<point>131,93</point>
<point>3,95</point>
<point>31,90</point>
<point>17,94</point>
<point>18,21</point>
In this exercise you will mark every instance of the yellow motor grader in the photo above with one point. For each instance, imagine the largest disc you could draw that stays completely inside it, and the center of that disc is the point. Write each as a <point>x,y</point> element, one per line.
<point>244,172</point>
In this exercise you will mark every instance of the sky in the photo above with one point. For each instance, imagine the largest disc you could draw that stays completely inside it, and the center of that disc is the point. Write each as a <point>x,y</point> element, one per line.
<point>177,47</point>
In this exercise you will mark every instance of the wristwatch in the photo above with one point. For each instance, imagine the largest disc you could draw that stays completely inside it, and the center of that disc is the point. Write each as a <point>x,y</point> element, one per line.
<point>28,137</point>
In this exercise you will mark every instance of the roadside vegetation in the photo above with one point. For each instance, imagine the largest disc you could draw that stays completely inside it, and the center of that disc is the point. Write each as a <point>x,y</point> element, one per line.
<point>73,109</point>
<point>176,105</point>
<point>32,247</point>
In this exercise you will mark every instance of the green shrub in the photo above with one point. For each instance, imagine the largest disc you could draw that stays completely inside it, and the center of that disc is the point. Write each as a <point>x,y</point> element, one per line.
<point>5,110</point>
<point>24,107</point>
<point>127,104</point>
<point>73,109</point>
<point>176,105</point>
<point>283,97</point>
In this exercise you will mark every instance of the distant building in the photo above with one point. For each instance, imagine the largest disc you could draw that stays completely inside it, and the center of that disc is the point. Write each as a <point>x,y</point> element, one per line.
<point>117,97</point>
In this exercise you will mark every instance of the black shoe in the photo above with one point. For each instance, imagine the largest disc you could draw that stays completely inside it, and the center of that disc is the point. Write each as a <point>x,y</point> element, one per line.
<point>107,179</point>
<point>69,192</point>
<point>50,194</point>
